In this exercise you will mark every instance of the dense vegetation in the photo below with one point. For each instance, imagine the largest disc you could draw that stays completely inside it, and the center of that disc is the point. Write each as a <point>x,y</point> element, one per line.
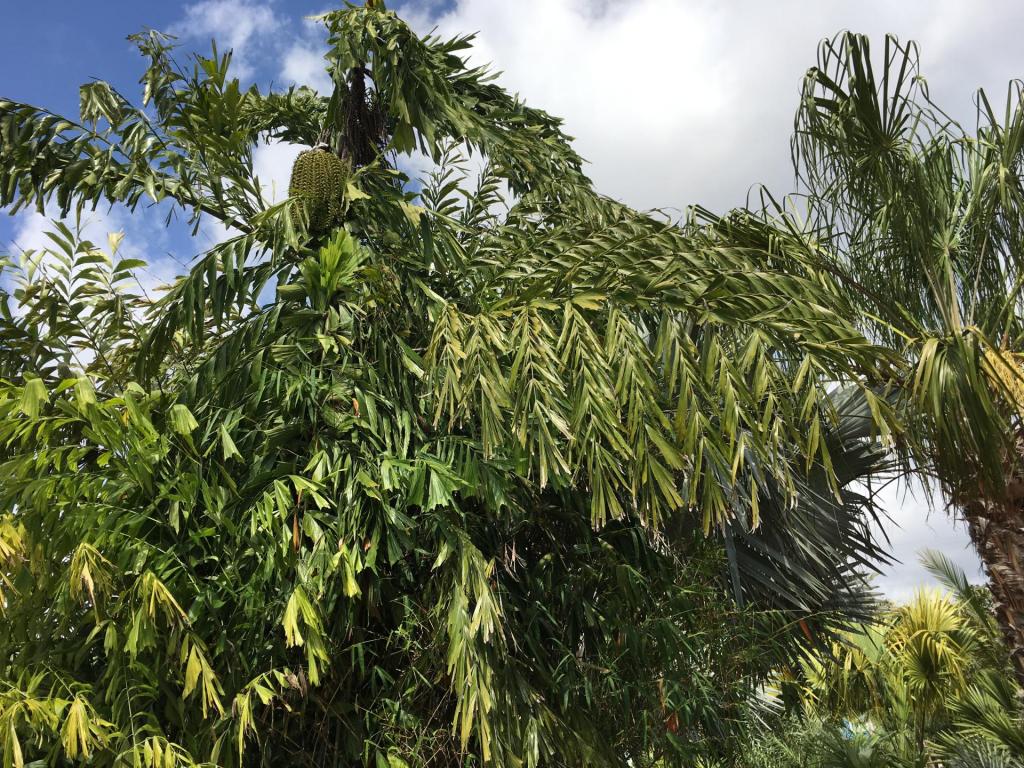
<point>928,684</point>
<point>482,467</point>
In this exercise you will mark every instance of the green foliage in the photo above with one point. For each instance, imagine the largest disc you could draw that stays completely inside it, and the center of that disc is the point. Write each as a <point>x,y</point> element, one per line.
<point>925,225</point>
<point>928,684</point>
<point>530,480</point>
<point>792,742</point>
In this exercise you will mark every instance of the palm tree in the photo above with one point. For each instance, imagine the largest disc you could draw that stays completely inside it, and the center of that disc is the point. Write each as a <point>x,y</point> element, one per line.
<point>922,222</point>
<point>928,684</point>
<point>405,475</point>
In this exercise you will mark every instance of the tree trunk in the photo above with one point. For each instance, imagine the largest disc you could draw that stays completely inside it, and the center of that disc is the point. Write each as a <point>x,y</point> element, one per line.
<point>997,530</point>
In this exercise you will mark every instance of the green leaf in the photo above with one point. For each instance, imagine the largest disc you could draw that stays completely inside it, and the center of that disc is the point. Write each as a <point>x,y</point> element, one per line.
<point>33,397</point>
<point>181,420</point>
<point>228,447</point>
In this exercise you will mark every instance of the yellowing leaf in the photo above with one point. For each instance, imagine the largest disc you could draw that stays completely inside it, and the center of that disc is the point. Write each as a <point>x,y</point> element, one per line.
<point>79,732</point>
<point>114,241</point>
<point>292,634</point>
<point>193,669</point>
<point>588,300</point>
<point>412,212</point>
<point>352,192</point>
<point>351,585</point>
<point>33,396</point>
<point>182,420</point>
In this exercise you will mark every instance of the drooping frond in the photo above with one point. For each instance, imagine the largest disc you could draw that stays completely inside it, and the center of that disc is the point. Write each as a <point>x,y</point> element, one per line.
<point>504,472</point>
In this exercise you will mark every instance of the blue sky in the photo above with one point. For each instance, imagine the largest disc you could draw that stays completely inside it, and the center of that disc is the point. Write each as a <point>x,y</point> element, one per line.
<point>48,49</point>
<point>673,102</point>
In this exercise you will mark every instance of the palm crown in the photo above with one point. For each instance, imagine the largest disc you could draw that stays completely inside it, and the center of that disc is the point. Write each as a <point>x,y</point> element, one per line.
<point>924,222</point>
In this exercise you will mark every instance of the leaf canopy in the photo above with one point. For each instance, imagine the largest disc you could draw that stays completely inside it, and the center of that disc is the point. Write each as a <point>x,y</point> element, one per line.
<point>495,472</point>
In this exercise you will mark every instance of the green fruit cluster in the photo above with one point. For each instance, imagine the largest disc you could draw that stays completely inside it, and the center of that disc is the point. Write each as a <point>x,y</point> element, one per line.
<point>318,180</point>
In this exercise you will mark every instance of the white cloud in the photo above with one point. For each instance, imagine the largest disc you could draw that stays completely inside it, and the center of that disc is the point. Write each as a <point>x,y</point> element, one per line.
<point>261,40</point>
<point>30,232</point>
<point>677,102</point>
<point>303,64</point>
<point>919,523</point>
<point>234,24</point>
<point>272,164</point>
<point>303,61</point>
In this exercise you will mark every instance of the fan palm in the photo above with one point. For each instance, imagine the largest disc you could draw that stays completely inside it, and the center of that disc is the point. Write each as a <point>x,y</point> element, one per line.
<point>922,222</point>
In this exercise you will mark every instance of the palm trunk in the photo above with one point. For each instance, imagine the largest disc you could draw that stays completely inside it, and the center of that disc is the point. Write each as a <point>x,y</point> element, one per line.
<point>997,530</point>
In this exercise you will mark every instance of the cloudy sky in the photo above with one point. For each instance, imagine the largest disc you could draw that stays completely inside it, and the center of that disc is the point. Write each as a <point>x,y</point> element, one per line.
<point>673,102</point>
